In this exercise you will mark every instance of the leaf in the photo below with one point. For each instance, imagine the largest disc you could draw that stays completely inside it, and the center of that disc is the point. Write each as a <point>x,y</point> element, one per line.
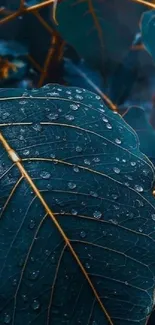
<point>148,31</point>
<point>99,29</point>
<point>77,212</point>
<point>74,75</point>
<point>137,119</point>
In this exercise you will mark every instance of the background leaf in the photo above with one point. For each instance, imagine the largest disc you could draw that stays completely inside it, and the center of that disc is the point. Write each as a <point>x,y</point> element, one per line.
<point>148,31</point>
<point>85,161</point>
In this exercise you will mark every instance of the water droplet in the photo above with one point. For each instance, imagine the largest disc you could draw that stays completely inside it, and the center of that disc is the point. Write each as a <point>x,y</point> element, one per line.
<point>14,282</point>
<point>126,283</point>
<point>69,117</point>
<point>115,222</point>
<point>104,119</point>
<point>25,298</point>
<point>87,265</point>
<point>82,234</point>
<point>74,107</point>
<point>116,170</point>
<point>79,91</point>
<point>32,224</point>
<point>124,160</point>
<point>114,196</point>
<point>96,159</point>
<point>52,116</point>
<point>5,115</point>
<point>35,304</point>
<point>97,214</point>
<point>133,163</point>
<point>117,159</point>
<point>79,97</point>
<point>45,175</point>
<point>153,217</point>
<point>118,141</point>
<point>47,252</point>
<point>53,94</point>
<point>108,126</point>
<point>34,275</point>
<point>87,162</point>
<point>7,319</point>
<point>74,212</point>
<point>71,185</point>
<point>97,97</point>
<point>138,188</point>
<point>37,127</point>
<point>140,230</point>
<point>76,169</point>
<point>52,155</point>
<point>94,194</point>
<point>139,203</point>
<point>145,172</point>
<point>26,152</point>
<point>23,102</point>
<point>78,149</point>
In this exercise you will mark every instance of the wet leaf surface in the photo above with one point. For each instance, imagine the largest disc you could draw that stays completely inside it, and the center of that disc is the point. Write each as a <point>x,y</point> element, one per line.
<point>85,162</point>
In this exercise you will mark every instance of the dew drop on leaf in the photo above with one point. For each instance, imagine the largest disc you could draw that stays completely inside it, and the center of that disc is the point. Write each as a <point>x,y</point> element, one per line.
<point>45,175</point>
<point>138,188</point>
<point>108,126</point>
<point>52,155</point>
<point>7,319</point>
<point>153,217</point>
<point>87,162</point>
<point>82,234</point>
<point>133,163</point>
<point>76,169</point>
<point>116,170</point>
<point>34,275</point>
<point>94,194</point>
<point>35,304</point>
<point>78,149</point>
<point>74,212</point>
<point>118,141</point>
<point>114,196</point>
<point>52,116</point>
<point>37,127</point>
<point>32,224</point>
<point>104,119</point>
<point>79,97</point>
<point>71,185</point>
<point>74,107</point>
<point>97,214</point>
<point>96,159</point>
<point>87,265</point>
<point>26,152</point>
<point>69,117</point>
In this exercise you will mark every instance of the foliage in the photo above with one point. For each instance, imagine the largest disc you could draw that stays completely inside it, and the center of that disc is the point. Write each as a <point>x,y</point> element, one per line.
<point>85,162</point>
<point>77,231</point>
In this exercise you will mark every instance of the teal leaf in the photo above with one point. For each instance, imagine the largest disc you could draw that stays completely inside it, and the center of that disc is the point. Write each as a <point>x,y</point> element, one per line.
<point>85,166</point>
<point>137,119</point>
<point>99,29</point>
<point>148,31</point>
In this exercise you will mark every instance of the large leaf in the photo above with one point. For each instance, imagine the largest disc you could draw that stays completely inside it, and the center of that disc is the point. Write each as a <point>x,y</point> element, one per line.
<point>99,29</point>
<point>77,212</point>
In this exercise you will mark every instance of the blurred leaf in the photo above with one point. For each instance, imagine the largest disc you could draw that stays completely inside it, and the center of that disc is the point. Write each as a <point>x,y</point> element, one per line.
<point>99,29</point>
<point>12,48</point>
<point>148,31</point>
<point>85,162</point>
<point>74,75</point>
<point>136,118</point>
